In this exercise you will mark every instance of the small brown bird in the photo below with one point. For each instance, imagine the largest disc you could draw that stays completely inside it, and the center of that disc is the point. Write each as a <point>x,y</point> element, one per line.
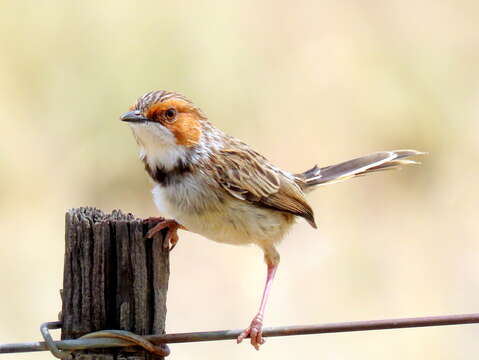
<point>215,185</point>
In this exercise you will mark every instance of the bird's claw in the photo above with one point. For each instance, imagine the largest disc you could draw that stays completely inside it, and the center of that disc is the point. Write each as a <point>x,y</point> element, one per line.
<point>171,238</point>
<point>171,235</point>
<point>254,332</point>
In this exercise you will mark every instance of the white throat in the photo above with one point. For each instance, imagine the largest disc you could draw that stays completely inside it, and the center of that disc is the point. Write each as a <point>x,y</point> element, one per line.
<point>158,146</point>
<point>163,156</point>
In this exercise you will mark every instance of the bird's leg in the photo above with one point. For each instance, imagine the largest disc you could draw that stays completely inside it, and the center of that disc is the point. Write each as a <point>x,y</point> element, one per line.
<point>171,235</point>
<point>255,329</point>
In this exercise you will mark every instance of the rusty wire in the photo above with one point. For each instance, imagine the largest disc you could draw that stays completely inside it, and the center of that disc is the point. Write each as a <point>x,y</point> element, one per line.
<point>107,338</point>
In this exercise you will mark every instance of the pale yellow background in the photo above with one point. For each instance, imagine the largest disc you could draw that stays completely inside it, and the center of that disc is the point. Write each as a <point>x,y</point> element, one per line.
<point>304,82</point>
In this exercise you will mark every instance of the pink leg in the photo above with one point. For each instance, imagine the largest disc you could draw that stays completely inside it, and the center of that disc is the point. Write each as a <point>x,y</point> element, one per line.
<point>254,331</point>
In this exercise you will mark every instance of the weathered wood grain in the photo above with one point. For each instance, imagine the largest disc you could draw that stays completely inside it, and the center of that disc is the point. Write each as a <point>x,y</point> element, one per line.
<point>114,278</point>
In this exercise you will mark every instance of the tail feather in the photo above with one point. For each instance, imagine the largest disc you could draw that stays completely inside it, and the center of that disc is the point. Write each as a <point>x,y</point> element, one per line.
<point>380,161</point>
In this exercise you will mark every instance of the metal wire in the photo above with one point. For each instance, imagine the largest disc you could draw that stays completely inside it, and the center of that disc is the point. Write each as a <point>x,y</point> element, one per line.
<point>131,339</point>
<point>44,329</point>
<point>107,342</point>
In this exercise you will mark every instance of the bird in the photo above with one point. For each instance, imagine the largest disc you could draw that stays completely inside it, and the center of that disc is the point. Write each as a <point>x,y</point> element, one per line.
<point>215,185</point>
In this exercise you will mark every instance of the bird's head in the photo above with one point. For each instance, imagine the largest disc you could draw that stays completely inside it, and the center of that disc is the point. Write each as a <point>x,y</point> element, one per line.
<point>165,119</point>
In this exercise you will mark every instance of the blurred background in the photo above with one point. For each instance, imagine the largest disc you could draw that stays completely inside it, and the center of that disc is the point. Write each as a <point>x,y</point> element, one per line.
<point>304,83</point>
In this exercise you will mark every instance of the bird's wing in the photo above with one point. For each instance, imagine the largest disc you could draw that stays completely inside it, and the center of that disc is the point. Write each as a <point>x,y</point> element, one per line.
<point>247,176</point>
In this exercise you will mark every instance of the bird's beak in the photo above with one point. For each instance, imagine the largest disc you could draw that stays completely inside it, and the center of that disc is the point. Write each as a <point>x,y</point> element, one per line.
<point>134,116</point>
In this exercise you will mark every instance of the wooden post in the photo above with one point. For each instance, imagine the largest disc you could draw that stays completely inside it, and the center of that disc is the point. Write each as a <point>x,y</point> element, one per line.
<point>114,278</point>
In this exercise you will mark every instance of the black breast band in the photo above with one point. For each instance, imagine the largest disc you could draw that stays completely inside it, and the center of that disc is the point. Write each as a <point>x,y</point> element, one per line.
<point>167,177</point>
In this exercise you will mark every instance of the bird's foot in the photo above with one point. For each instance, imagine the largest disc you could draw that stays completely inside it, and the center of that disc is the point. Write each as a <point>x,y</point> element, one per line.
<point>254,332</point>
<point>172,233</point>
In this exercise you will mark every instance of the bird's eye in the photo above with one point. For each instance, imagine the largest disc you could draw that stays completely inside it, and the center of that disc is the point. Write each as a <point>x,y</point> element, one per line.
<point>170,115</point>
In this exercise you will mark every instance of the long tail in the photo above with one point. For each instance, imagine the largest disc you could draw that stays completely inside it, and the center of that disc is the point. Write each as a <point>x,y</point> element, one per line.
<point>383,160</point>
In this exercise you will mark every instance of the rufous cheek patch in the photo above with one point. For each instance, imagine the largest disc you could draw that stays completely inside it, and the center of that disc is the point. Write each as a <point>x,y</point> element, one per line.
<point>186,128</point>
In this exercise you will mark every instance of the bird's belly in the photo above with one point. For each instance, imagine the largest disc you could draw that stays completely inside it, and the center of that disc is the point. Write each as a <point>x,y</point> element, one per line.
<point>228,220</point>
